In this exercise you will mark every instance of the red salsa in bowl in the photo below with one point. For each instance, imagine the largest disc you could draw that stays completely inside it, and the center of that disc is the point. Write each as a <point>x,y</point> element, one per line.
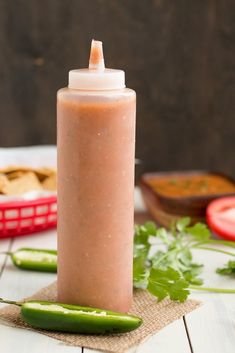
<point>172,195</point>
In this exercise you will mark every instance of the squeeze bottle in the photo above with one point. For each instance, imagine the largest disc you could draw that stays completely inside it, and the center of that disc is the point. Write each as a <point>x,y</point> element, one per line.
<point>96,148</point>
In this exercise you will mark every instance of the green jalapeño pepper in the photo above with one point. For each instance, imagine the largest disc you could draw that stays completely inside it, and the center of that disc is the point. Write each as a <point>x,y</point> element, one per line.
<point>73,318</point>
<point>35,259</point>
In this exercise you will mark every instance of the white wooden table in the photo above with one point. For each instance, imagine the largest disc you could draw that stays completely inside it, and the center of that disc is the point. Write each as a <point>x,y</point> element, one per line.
<point>209,329</point>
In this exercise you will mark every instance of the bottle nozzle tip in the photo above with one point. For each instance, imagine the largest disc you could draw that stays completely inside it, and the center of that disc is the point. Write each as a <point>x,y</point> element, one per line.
<point>96,61</point>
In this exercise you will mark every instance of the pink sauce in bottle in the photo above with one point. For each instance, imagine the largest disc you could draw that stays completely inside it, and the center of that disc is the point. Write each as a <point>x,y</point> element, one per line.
<point>96,147</point>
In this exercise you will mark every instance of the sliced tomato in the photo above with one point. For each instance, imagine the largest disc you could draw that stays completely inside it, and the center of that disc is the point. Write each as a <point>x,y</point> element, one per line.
<point>220,216</point>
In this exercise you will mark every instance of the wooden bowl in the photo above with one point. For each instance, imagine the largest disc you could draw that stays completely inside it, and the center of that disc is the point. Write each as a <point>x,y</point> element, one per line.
<point>167,208</point>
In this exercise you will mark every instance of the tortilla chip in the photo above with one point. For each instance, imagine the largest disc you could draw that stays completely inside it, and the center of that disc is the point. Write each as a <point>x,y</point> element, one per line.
<point>50,183</point>
<point>15,175</point>
<point>43,173</point>
<point>27,182</point>
<point>3,182</point>
<point>12,168</point>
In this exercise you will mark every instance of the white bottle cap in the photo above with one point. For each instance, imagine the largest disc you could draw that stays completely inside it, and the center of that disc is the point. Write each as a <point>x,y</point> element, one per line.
<point>96,77</point>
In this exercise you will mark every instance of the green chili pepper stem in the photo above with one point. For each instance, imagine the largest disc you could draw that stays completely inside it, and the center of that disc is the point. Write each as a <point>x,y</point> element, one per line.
<point>6,253</point>
<point>4,301</point>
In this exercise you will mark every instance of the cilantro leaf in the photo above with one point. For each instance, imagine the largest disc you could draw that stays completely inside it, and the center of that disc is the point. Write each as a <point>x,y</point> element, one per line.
<point>140,269</point>
<point>162,234</point>
<point>168,282</point>
<point>192,273</point>
<point>141,235</point>
<point>144,232</point>
<point>150,227</point>
<point>179,290</point>
<point>228,269</point>
<point>199,232</point>
<point>182,223</point>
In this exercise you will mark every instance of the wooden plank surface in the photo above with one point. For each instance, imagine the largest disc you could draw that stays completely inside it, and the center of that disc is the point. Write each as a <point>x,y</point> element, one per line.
<point>171,339</point>
<point>212,327</point>
<point>5,245</point>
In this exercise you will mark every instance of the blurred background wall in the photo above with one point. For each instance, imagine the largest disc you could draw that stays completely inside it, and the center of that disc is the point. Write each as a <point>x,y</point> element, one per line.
<point>178,55</point>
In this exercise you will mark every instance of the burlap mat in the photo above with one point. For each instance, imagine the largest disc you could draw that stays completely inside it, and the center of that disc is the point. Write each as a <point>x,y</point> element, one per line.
<point>155,316</point>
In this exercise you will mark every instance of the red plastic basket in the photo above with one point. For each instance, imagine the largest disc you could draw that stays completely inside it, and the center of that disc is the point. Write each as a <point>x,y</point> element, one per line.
<point>25,217</point>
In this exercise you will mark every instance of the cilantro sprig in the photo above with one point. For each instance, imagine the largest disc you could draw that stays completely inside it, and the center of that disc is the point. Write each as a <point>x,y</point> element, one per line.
<point>163,260</point>
<point>228,269</point>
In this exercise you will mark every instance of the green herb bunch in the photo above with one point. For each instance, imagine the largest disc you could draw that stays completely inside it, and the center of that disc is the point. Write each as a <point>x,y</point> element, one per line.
<point>163,260</point>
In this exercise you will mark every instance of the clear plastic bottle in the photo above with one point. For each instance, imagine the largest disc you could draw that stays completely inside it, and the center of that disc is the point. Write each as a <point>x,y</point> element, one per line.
<point>96,147</point>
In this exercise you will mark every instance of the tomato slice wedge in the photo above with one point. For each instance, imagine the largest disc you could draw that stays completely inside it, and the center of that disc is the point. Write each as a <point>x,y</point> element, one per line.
<point>220,216</point>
